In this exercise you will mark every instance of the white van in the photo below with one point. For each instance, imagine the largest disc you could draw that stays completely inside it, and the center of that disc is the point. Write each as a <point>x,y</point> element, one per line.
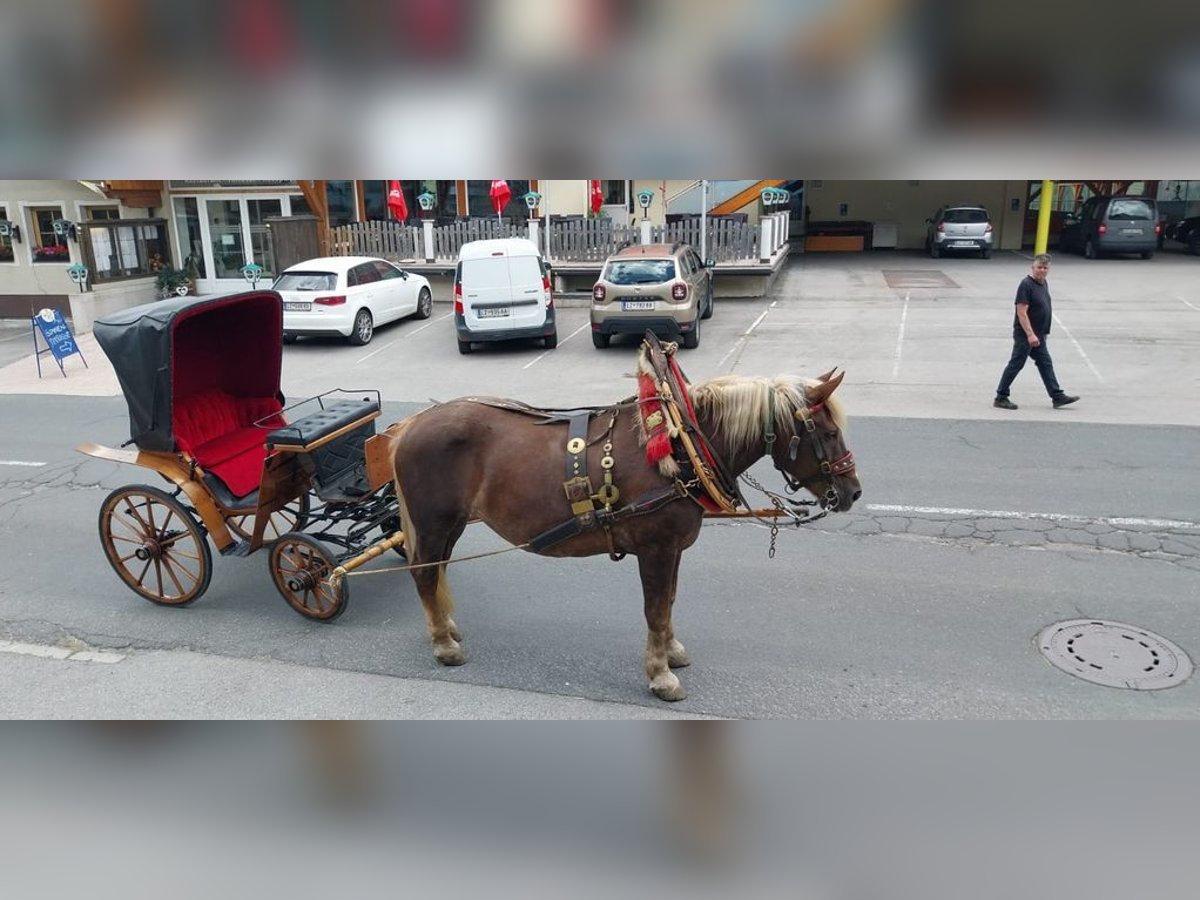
<point>502,292</point>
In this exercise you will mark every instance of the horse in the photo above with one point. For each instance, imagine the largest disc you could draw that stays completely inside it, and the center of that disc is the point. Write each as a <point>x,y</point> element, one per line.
<point>489,459</point>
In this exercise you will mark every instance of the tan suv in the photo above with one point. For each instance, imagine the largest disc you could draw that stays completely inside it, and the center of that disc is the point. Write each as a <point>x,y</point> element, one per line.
<point>664,288</point>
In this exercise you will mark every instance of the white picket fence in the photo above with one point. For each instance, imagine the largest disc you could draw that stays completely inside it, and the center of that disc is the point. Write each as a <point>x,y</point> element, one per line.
<point>571,240</point>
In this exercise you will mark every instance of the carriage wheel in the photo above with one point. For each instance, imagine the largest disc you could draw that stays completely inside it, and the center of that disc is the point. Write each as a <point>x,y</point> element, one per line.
<point>155,545</point>
<point>292,517</point>
<point>301,568</point>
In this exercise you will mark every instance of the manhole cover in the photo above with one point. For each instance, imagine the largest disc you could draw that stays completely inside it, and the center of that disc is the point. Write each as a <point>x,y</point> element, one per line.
<point>1115,655</point>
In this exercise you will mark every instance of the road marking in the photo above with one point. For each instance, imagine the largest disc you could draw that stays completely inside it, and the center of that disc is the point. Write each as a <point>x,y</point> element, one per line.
<point>1071,338</point>
<point>20,462</point>
<point>900,338</point>
<point>406,334</point>
<point>49,651</point>
<point>1053,517</point>
<point>542,356</point>
<point>1188,305</point>
<point>742,339</point>
<point>20,334</point>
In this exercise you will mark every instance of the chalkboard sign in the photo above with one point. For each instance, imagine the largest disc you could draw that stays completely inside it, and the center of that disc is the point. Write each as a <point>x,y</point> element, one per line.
<point>60,343</point>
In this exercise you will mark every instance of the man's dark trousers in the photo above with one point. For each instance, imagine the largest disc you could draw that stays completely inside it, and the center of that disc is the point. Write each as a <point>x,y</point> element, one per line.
<point>1041,358</point>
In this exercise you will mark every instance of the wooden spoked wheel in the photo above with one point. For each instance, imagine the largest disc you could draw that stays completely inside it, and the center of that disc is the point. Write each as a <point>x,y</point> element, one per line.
<point>301,568</point>
<point>292,517</point>
<point>155,545</point>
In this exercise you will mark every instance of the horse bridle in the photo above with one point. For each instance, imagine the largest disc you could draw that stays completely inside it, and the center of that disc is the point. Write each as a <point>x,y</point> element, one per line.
<point>843,465</point>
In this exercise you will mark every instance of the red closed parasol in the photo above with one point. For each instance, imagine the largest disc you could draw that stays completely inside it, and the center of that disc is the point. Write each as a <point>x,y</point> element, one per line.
<point>595,196</point>
<point>395,202</point>
<point>500,194</point>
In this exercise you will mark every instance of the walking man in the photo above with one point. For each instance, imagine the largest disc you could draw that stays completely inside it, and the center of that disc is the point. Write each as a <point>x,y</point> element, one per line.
<point>1031,324</point>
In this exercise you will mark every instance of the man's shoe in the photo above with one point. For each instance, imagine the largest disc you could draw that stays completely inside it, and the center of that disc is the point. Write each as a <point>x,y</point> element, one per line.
<point>1005,403</point>
<point>1063,400</point>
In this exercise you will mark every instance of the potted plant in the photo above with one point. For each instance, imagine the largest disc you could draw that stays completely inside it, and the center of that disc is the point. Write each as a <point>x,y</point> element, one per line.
<point>171,282</point>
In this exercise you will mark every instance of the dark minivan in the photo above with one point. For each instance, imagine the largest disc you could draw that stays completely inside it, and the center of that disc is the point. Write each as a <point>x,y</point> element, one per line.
<point>1116,224</point>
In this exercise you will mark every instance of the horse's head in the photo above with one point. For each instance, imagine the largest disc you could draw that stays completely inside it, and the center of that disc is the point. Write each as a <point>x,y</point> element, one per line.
<point>815,455</point>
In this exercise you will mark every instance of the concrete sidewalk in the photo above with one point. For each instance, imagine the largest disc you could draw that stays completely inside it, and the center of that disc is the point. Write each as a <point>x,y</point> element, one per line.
<point>93,378</point>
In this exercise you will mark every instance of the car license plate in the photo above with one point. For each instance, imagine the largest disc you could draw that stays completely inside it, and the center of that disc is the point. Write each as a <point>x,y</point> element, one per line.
<point>297,306</point>
<point>1131,231</point>
<point>963,244</point>
<point>637,304</point>
<point>492,312</point>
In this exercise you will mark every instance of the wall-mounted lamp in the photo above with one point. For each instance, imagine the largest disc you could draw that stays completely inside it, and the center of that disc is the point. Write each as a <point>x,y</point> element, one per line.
<point>426,201</point>
<point>532,199</point>
<point>252,272</point>
<point>10,230</point>
<point>63,228</point>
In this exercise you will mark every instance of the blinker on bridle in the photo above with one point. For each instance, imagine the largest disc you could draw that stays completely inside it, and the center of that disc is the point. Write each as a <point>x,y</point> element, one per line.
<point>841,466</point>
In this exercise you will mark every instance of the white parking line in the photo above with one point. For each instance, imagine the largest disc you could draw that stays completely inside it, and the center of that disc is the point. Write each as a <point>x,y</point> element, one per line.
<point>900,338</point>
<point>1188,305</point>
<point>1053,517</point>
<point>19,462</point>
<point>1071,338</point>
<point>406,334</point>
<point>50,651</point>
<point>542,356</point>
<point>742,338</point>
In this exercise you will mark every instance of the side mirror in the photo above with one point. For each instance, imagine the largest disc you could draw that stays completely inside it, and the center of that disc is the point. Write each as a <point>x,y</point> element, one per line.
<point>709,263</point>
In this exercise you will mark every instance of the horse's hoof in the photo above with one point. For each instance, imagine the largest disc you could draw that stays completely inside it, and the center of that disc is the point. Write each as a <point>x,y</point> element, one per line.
<point>454,632</point>
<point>677,657</point>
<point>669,690</point>
<point>450,656</point>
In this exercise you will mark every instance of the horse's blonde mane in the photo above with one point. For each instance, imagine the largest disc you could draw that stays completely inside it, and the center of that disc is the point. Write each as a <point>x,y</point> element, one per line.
<point>738,404</point>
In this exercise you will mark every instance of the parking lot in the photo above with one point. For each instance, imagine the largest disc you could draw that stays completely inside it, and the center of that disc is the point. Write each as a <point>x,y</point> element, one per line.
<point>917,337</point>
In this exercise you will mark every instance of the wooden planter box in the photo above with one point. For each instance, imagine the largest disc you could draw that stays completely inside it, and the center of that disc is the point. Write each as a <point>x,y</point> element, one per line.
<point>844,243</point>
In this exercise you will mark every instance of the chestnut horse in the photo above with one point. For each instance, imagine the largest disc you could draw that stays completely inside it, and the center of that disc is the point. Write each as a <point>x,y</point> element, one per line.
<point>467,459</point>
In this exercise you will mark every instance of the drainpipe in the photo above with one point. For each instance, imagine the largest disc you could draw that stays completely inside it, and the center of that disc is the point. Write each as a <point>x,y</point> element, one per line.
<point>1043,223</point>
<point>703,219</point>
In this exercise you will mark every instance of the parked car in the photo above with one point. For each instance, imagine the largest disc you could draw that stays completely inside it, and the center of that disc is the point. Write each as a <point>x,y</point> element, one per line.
<point>1112,224</point>
<point>502,292</point>
<point>1187,232</point>
<point>350,296</point>
<point>959,228</point>
<point>664,288</point>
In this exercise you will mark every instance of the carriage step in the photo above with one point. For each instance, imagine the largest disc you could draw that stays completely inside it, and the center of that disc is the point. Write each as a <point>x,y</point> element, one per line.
<point>240,548</point>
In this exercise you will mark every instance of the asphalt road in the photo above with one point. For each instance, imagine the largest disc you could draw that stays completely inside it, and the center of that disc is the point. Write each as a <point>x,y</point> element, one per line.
<point>977,529</point>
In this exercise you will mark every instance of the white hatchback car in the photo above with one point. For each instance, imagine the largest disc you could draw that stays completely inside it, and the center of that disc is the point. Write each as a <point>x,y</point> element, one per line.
<point>349,295</point>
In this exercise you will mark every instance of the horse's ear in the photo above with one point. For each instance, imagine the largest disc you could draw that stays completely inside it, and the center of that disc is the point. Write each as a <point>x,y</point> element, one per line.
<point>827,375</point>
<point>820,393</point>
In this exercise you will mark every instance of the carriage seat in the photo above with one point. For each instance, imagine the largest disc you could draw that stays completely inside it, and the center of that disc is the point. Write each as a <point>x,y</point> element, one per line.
<point>218,430</point>
<point>310,429</point>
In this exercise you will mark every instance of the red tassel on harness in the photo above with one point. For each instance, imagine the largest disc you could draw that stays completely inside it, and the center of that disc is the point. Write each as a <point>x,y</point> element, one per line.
<point>654,420</point>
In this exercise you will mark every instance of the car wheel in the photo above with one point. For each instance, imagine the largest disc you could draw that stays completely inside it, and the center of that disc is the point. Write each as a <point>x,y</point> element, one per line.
<point>464,347</point>
<point>600,341</point>
<point>1089,249</point>
<point>935,251</point>
<point>1147,254</point>
<point>691,339</point>
<point>550,341</point>
<point>364,328</point>
<point>424,304</point>
<point>985,253</point>
<point>708,304</point>
<point>1193,243</point>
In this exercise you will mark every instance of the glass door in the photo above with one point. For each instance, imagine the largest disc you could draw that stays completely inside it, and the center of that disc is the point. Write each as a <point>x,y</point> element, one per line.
<point>225,235</point>
<point>262,248</point>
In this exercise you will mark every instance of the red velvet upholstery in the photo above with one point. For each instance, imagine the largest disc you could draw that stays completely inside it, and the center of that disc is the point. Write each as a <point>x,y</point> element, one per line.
<point>217,429</point>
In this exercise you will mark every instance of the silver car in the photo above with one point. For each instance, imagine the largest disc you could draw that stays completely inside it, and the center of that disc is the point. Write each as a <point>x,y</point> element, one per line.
<point>957,229</point>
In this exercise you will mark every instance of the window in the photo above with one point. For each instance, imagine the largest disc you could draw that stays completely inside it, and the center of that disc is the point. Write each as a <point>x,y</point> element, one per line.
<point>102,213</point>
<point>375,201</point>
<point>47,246</point>
<point>614,191</point>
<point>6,247</point>
<point>479,200</point>
<point>191,241</point>
<point>124,248</point>
<point>343,208</point>
<point>386,272</point>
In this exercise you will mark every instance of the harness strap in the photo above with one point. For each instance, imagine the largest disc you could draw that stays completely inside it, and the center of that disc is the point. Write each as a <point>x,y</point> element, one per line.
<point>648,502</point>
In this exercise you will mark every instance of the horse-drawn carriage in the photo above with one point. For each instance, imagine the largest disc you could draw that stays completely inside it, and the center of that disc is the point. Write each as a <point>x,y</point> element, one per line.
<point>327,494</point>
<point>201,377</point>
